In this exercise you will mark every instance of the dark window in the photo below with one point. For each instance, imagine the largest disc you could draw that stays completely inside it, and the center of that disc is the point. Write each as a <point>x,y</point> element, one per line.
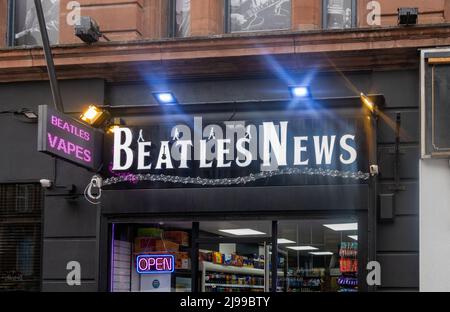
<point>24,26</point>
<point>258,15</point>
<point>20,236</point>
<point>339,14</point>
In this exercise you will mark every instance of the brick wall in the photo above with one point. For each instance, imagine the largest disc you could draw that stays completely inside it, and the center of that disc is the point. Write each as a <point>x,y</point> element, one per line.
<point>430,11</point>
<point>3,22</point>
<point>119,20</point>
<point>122,20</point>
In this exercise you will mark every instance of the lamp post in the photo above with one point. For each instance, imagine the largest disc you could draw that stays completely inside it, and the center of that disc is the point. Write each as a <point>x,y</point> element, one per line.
<point>57,99</point>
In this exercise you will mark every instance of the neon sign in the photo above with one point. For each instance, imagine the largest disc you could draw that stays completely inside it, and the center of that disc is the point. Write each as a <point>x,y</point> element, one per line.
<point>155,264</point>
<point>65,137</point>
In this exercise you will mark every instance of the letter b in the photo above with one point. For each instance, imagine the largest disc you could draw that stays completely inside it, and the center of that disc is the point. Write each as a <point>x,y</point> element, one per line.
<point>125,147</point>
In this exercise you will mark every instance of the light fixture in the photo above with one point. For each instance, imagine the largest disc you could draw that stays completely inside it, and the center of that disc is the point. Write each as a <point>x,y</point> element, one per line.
<point>242,232</point>
<point>408,16</point>
<point>30,115</point>
<point>354,237</point>
<point>115,124</point>
<point>87,30</point>
<point>321,253</point>
<point>342,226</point>
<point>367,102</point>
<point>284,241</point>
<point>94,116</point>
<point>300,92</point>
<point>165,97</point>
<point>302,248</point>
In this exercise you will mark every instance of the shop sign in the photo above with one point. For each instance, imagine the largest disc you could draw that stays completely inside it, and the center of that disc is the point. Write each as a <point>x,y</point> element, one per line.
<point>69,139</point>
<point>155,264</point>
<point>237,149</point>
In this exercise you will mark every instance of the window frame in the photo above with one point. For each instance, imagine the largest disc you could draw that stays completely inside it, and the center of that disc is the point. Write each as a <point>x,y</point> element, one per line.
<point>324,14</point>
<point>11,6</point>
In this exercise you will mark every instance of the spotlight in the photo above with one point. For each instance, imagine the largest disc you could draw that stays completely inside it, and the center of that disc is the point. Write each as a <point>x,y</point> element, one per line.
<point>300,91</point>
<point>368,102</point>
<point>94,116</point>
<point>165,97</point>
<point>407,16</point>
<point>87,30</point>
<point>116,124</point>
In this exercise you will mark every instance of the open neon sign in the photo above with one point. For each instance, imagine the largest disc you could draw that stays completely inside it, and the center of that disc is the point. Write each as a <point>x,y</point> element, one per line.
<point>155,264</point>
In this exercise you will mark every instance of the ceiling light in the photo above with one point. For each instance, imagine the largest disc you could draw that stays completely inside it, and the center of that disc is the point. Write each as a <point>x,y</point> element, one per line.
<point>342,226</point>
<point>165,97</point>
<point>300,91</point>
<point>321,253</point>
<point>242,232</point>
<point>354,237</point>
<point>302,248</point>
<point>285,241</point>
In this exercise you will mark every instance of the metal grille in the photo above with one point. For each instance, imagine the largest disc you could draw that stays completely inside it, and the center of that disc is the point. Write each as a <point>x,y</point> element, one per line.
<point>20,236</point>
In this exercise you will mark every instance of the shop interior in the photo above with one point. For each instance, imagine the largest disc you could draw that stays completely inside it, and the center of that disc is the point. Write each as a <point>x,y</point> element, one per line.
<point>314,255</point>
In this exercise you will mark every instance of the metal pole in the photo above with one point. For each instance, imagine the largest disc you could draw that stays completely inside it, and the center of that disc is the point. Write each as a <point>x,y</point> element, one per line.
<point>57,100</point>
<point>274,255</point>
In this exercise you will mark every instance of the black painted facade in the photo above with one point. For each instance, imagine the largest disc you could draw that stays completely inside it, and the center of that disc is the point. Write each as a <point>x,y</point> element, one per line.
<point>73,229</point>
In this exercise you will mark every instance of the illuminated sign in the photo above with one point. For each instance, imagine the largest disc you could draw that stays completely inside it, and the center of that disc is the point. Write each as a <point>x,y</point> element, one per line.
<point>155,264</point>
<point>67,138</point>
<point>238,152</point>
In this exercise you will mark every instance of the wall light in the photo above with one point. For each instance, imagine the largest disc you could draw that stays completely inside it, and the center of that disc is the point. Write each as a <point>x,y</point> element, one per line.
<point>165,97</point>
<point>115,124</point>
<point>300,91</point>
<point>408,16</point>
<point>367,102</point>
<point>94,116</point>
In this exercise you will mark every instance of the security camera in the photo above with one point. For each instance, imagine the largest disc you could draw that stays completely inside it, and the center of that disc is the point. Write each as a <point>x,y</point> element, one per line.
<point>374,170</point>
<point>46,183</point>
<point>97,181</point>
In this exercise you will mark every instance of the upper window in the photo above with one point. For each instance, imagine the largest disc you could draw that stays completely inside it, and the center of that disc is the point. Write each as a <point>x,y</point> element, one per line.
<point>183,18</point>
<point>258,15</point>
<point>339,14</point>
<point>24,26</point>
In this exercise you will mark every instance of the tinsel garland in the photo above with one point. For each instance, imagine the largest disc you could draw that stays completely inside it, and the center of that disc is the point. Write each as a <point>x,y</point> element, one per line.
<point>134,178</point>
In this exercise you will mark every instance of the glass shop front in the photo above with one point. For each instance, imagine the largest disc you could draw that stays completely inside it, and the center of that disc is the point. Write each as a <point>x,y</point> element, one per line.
<point>273,201</point>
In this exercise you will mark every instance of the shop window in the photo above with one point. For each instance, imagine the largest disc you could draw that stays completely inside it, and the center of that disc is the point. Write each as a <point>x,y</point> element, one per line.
<point>152,257</point>
<point>24,26</point>
<point>320,255</point>
<point>258,15</point>
<point>339,14</point>
<point>235,256</point>
<point>20,236</point>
